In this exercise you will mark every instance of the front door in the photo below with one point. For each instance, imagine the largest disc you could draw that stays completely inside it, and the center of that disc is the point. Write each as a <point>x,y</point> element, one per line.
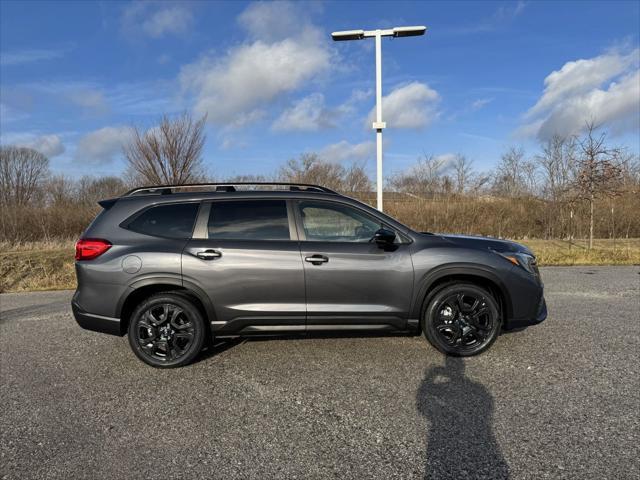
<point>350,281</point>
<point>248,262</point>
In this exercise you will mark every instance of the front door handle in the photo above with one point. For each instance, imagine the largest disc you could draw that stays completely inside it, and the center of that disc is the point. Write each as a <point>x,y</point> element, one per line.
<point>208,254</point>
<point>316,259</point>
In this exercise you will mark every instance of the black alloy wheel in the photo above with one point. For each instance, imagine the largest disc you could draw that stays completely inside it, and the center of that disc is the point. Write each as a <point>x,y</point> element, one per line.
<point>166,330</point>
<point>461,319</point>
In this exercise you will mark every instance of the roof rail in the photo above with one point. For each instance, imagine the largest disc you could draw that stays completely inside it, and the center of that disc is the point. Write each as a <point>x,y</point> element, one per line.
<point>228,187</point>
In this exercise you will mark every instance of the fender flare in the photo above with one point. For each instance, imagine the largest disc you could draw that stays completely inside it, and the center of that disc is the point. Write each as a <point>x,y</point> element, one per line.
<point>176,280</point>
<point>426,283</point>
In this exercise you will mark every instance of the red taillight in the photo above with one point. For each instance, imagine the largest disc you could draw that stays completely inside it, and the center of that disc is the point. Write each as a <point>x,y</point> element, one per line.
<point>90,248</point>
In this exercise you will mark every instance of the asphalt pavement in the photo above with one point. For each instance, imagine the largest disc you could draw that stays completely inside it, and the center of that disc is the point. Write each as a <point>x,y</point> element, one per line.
<point>559,400</point>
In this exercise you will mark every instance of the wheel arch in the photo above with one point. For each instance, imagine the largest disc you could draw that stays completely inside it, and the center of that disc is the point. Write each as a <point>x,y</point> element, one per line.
<point>448,275</point>
<point>142,289</point>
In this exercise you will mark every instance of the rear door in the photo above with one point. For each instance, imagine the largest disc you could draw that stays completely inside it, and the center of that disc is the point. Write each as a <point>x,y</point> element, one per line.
<point>245,256</point>
<point>350,281</point>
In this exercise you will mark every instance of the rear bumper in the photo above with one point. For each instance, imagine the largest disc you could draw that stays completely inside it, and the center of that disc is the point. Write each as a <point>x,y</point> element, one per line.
<point>96,323</point>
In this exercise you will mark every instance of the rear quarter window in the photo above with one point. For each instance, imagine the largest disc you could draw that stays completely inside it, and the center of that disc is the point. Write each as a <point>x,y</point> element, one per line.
<point>174,220</point>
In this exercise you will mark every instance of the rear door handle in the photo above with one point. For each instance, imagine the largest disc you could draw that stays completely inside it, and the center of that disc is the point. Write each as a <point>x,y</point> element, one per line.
<point>208,254</point>
<point>316,259</point>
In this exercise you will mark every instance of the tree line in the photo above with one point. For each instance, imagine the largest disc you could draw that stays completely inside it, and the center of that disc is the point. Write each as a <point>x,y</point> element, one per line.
<point>572,187</point>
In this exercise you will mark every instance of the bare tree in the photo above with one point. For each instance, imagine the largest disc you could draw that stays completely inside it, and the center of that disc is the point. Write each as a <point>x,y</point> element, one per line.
<point>169,153</point>
<point>247,179</point>
<point>356,179</point>
<point>22,171</point>
<point>424,177</point>
<point>90,189</point>
<point>478,182</point>
<point>557,163</point>
<point>630,170</point>
<point>599,172</point>
<point>309,168</point>
<point>60,190</point>
<point>510,174</point>
<point>463,170</point>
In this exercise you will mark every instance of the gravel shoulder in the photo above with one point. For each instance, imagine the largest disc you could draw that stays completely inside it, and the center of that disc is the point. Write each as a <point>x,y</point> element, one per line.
<point>559,400</point>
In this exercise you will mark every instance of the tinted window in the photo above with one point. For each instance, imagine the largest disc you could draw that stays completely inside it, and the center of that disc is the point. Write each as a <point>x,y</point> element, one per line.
<point>172,221</point>
<point>326,222</point>
<point>249,220</point>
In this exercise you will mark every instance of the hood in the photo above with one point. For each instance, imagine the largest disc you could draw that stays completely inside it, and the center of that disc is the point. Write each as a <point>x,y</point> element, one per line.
<point>485,243</point>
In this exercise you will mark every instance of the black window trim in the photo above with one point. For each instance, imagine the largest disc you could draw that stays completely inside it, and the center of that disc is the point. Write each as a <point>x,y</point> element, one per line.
<point>202,223</point>
<point>402,238</point>
<point>126,222</point>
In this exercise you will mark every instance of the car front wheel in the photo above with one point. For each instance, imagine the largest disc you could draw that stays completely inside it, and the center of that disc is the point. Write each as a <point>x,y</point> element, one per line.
<point>462,319</point>
<point>167,330</point>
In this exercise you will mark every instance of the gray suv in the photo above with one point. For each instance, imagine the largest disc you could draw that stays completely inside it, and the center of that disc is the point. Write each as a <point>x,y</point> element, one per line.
<point>175,266</point>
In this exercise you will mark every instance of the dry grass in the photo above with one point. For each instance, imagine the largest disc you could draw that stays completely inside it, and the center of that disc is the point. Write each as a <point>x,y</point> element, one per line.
<point>604,252</point>
<point>36,266</point>
<point>49,265</point>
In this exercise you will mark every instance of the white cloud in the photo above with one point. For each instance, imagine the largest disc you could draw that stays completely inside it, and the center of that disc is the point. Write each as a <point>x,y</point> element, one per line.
<point>88,95</point>
<point>272,21</point>
<point>49,145</point>
<point>157,19</point>
<point>504,15</point>
<point>359,95</point>
<point>233,87</point>
<point>88,98</point>
<point>509,11</point>
<point>411,106</point>
<point>345,151</point>
<point>101,146</point>
<point>604,89</point>
<point>480,103</point>
<point>154,97</point>
<point>311,113</point>
<point>19,57</point>
<point>148,97</point>
<point>308,114</point>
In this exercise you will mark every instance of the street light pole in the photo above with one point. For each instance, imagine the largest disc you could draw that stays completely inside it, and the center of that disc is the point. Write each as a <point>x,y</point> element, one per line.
<point>379,125</point>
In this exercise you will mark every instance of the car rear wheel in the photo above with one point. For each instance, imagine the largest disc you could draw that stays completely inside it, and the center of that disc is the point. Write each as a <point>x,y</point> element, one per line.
<point>166,331</point>
<point>462,319</point>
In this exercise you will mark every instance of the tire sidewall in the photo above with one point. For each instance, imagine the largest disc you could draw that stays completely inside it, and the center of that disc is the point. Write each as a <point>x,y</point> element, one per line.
<point>432,303</point>
<point>192,313</point>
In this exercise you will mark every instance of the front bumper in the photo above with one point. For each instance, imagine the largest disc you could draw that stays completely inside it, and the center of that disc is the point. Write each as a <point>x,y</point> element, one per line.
<point>541,315</point>
<point>96,323</point>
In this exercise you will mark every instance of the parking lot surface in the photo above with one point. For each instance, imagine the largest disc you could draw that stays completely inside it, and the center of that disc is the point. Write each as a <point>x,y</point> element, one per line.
<point>559,400</point>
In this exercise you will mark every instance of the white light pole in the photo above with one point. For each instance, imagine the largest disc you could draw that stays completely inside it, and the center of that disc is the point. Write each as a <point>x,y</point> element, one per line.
<point>378,125</point>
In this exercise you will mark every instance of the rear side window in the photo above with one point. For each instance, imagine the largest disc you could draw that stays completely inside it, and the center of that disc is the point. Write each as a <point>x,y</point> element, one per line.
<point>172,221</point>
<point>249,220</point>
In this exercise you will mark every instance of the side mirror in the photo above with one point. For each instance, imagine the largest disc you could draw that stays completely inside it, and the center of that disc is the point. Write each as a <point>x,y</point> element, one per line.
<point>384,237</point>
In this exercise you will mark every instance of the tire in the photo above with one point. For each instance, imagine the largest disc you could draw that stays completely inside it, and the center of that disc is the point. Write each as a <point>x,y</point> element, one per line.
<point>167,330</point>
<point>461,319</point>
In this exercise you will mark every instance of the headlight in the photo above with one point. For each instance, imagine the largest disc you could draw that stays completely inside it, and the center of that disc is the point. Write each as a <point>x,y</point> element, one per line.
<point>524,260</point>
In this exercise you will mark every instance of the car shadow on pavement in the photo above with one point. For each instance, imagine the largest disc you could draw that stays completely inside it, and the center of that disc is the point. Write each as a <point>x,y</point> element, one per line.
<point>219,346</point>
<point>223,344</point>
<point>459,412</point>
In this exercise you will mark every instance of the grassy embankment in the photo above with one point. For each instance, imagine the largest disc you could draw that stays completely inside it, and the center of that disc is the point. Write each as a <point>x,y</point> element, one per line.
<point>49,266</point>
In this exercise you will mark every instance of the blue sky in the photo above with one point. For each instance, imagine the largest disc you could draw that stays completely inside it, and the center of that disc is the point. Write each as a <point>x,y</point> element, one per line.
<point>75,76</point>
